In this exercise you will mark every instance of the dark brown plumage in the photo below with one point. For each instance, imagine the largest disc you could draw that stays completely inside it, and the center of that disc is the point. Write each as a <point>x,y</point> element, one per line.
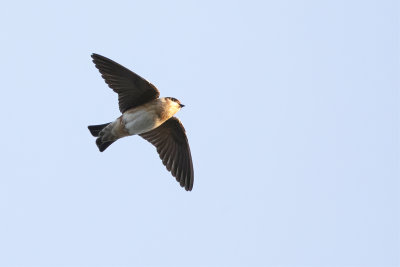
<point>132,89</point>
<point>173,147</point>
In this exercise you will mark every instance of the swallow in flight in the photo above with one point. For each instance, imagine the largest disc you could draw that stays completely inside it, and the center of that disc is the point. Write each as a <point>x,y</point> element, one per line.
<point>146,115</point>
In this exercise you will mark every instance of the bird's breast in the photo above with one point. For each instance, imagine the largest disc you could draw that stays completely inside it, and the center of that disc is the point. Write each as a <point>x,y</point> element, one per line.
<point>140,120</point>
<point>147,117</point>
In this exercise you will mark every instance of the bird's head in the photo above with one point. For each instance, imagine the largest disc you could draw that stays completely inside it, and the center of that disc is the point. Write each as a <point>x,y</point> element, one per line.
<point>175,101</point>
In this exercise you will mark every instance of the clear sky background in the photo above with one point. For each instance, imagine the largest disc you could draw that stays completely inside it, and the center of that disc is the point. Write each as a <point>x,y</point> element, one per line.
<point>292,113</point>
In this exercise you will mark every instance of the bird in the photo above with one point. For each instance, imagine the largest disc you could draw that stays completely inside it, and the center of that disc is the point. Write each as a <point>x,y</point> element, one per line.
<point>145,114</point>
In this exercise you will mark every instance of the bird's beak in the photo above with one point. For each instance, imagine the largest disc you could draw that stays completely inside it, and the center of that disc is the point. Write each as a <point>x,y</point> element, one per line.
<point>182,105</point>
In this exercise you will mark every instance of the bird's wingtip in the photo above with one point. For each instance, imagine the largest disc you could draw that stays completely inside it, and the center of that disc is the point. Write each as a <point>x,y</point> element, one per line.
<point>95,55</point>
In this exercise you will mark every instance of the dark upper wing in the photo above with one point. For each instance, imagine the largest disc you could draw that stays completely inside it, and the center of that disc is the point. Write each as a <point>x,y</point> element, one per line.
<point>132,89</point>
<point>173,147</point>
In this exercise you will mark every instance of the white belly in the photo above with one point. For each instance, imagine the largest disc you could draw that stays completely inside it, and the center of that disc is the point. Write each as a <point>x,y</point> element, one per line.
<point>140,121</point>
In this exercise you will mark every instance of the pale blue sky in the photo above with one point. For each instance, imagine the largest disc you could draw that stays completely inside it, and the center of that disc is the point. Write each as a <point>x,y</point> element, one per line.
<point>292,113</point>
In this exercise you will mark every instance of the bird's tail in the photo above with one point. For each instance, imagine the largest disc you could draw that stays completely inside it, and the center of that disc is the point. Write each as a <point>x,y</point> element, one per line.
<point>96,129</point>
<point>102,145</point>
<point>103,139</point>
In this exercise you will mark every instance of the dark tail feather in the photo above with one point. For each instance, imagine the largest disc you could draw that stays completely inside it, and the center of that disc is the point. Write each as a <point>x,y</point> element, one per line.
<point>103,145</point>
<point>96,129</point>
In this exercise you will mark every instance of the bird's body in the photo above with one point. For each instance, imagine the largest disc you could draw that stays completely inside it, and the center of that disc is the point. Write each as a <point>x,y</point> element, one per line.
<point>149,116</point>
<point>144,114</point>
<point>140,119</point>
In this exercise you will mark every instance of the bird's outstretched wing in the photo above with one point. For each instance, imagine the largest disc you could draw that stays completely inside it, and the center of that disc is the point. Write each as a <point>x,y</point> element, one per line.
<point>132,89</point>
<point>173,147</point>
